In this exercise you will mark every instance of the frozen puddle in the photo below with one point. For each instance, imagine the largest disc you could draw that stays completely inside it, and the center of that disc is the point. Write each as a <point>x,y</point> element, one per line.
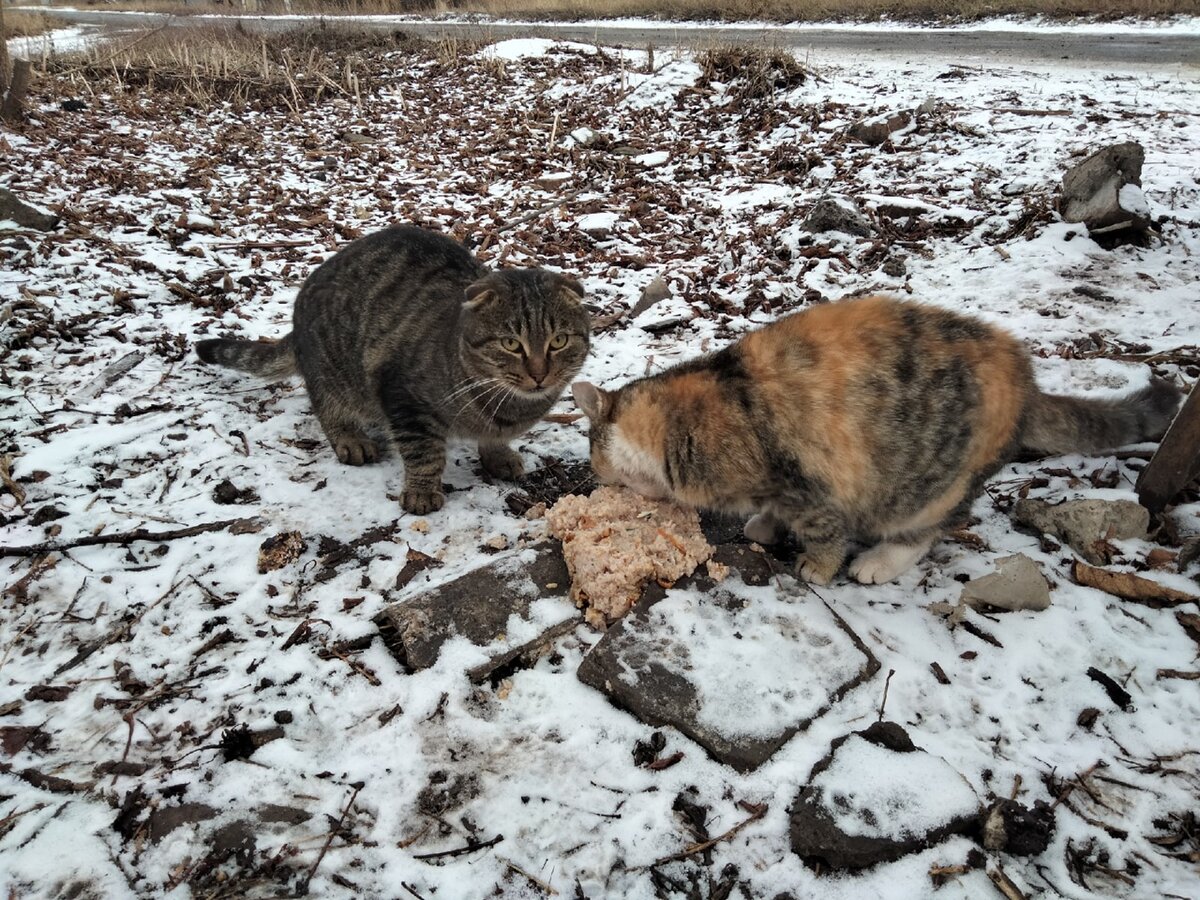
<point>692,657</point>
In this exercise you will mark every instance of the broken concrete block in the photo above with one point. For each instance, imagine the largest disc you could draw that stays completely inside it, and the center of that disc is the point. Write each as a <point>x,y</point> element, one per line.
<point>492,607</point>
<point>876,797</point>
<point>13,209</point>
<point>655,292</point>
<point>836,214</point>
<point>877,129</point>
<point>695,657</point>
<point>1016,584</point>
<point>1104,191</point>
<point>1085,524</point>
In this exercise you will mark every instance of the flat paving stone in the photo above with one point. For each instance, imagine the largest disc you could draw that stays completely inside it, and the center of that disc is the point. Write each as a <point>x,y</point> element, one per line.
<point>480,606</point>
<point>876,797</point>
<point>730,664</point>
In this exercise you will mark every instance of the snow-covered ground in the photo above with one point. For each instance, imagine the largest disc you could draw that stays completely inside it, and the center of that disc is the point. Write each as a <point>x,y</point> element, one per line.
<point>183,221</point>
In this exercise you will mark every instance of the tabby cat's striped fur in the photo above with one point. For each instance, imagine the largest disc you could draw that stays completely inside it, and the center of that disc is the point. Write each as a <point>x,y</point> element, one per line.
<point>404,331</point>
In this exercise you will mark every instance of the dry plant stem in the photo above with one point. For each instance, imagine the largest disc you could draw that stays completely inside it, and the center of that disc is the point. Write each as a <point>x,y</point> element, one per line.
<point>886,684</point>
<point>1004,884</point>
<point>124,537</point>
<point>302,887</point>
<point>711,842</point>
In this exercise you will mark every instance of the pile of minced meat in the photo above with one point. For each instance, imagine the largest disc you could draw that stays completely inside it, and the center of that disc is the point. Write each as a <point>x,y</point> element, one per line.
<point>615,540</point>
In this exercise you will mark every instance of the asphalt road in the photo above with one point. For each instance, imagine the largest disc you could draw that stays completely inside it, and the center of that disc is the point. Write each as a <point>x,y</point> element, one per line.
<point>1118,48</point>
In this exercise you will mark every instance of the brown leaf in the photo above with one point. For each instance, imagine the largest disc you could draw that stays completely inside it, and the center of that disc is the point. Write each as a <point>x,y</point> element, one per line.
<point>1161,558</point>
<point>1190,623</point>
<point>1128,586</point>
<point>417,562</point>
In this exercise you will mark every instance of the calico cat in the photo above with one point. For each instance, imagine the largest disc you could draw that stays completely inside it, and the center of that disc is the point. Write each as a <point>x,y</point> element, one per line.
<point>404,330</point>
<point>873,419</point>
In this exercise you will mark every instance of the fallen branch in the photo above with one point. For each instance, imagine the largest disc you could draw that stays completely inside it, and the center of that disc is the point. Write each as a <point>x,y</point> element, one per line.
<point>123,537</point>
<point>756,813</point>
<point>1178,673</point>
<point>471,847</point>
<point>110,374</point>
<point>1128,586</point>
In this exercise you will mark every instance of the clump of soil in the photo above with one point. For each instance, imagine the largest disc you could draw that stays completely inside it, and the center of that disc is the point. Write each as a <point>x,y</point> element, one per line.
<point>615,540</point>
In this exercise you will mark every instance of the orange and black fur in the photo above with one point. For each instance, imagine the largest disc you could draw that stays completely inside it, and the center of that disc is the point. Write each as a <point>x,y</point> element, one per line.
<point>875,420</point>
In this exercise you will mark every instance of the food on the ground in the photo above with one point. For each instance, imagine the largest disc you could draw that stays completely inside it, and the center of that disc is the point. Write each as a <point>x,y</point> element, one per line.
<point>615,540</point>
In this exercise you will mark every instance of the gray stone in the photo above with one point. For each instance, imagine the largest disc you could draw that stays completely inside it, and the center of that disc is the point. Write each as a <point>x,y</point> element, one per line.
<point>877,129</point>
<point>478,606</point>
<point>13,209</point>
<point>1104,191</point>
<point>1016,584</point>
<point>836,214</point>
<point>876,797</point>
<point>655,292</point>
<point>165,819</point>
<point>1085,524</point>
<point>653,662</point>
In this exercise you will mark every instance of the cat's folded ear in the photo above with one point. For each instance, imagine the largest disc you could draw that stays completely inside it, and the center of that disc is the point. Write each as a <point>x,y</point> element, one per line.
<point>479,293</point>
<point>572,286</point>
<point>594,402</point>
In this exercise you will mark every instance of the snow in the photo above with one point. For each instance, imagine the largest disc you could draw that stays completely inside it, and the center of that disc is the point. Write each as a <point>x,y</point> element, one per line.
<point>549,759</point>
<point>811,657</point>
<point>874,792</point>
<point>1133,200</point>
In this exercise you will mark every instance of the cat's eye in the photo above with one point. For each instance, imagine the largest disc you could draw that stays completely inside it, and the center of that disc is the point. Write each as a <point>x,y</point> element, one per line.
<point>512,345</point>
<point>558,341</point>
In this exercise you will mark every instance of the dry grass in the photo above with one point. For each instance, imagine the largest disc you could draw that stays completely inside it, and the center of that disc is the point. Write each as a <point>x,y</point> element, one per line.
<point>727,10</point>
<point>207,64</point>
<point>27,24</point>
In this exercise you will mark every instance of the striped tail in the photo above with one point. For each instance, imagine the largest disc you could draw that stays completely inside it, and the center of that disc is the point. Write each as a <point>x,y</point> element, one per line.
<point>270,359</point>
<point>1074,425</point>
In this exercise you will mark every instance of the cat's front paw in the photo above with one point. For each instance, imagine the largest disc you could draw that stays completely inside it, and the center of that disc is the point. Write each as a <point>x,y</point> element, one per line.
<point>502,462</point>
<point>421,503</point>
<point>808,570</point>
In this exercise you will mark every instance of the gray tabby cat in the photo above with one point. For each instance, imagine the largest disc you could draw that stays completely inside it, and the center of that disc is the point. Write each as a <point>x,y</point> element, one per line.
<point>405,330</point>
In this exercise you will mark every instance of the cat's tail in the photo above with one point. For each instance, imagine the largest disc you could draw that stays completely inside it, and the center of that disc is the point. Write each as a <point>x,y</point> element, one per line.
<point>270,359</point>
<point>1056,424</point>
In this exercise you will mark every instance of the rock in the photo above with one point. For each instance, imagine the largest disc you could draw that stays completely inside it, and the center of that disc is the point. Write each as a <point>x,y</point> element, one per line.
<point>13,209</point>
<point>877,129</point>
<point>227,492</point>
<point>1016,584</point>
<point>876,797</point>
<point>1104,191</point>
<point>895,267</point>
<point>165,819</point>
<point>585,137</point>
<point>598,225</point>
<point>73,104</point>
<point>479,606</point>
<point>1017,829</point>
<point>1085,524</point>
<point>656,662</point>
<point>836,214</point>
<point>655,292</point>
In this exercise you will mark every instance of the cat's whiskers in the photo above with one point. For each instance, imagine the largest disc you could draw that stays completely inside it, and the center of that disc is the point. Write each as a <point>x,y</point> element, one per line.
<point>462,388</point>
<point>492,386</point>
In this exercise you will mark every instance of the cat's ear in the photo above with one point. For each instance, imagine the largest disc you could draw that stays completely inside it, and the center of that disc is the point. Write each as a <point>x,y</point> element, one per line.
<point>572,286</point>
<point>594,402</point>
<point>479,293</point>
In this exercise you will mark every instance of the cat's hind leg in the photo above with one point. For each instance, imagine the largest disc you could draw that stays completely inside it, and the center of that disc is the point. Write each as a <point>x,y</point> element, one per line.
<point>763,528</point>
<point>343,428</point>
<point>890,559</point>
<point>500,460</point>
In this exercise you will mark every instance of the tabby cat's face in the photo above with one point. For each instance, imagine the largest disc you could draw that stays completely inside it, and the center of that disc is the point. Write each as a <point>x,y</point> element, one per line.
<point>526,328</point>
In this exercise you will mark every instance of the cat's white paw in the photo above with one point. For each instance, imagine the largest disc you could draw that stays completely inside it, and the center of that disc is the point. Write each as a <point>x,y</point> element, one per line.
<point>761,528</point>
<point>886,562</point>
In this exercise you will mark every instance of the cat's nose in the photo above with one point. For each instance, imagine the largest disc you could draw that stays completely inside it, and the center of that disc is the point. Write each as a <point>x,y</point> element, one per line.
<point>538,369</point>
